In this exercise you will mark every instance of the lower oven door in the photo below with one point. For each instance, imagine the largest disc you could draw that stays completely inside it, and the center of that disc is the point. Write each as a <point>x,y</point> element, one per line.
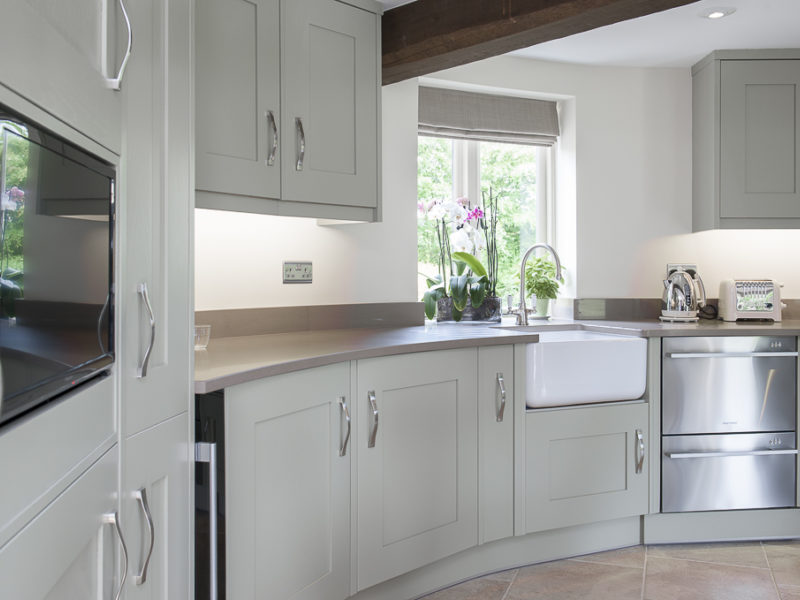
<point>726,472</point>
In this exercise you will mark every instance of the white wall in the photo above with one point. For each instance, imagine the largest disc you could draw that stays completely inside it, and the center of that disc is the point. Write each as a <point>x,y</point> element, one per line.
<point>632,184</point>
<point>238,257</point>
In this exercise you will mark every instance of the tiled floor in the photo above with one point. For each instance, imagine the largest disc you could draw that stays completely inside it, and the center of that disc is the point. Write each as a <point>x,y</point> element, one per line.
<point>736,571</point>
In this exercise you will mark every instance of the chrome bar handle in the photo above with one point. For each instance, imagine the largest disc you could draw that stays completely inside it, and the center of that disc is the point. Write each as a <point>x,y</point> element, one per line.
<point>730,453</point>
<point>639,450</point>
<point>346,413</point>
<point>141,371</point>
<point>206,452</point>
<point>113,519</point>
<point>729,354</point>
<point>274,126</point>
<point>501,386</point>
<point>374,431</point>
<point>141,496</point>
<point>301,151</point>
<point>116,82</point>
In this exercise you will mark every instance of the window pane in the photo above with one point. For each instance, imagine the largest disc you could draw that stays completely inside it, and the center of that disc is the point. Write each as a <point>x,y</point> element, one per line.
<point>510,170</point>
<point>434,182</point>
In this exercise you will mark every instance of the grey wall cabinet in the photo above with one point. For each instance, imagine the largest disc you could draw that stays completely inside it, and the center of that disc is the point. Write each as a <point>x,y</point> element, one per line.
<point>585,464</point>
<point>59,55</point>
<point>288,107</point>
<point>287,470</point>
<point>746,140</point>
<point>417,445</point>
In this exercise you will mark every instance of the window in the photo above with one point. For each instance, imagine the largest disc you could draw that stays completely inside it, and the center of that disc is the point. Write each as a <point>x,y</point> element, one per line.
<point>459,168</point>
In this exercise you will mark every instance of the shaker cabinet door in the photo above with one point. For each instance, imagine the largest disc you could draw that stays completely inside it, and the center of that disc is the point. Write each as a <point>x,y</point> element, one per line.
<point>760,139</point>
<point>330,103</point>
<point>238,137</point>
<point>59,55</point>
<point>585,464</point>
<point>417,459</point>
<point>71,549</point>
<point>287,486</point>
<point>154,297</point>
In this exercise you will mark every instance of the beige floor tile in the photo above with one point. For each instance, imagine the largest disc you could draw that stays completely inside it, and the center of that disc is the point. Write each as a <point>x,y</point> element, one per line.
<point>677,579</point>
<point>574,580</point>
<point>503,575</point>
<point>742,554</point>
<point>624,557</point>
<point>789,592</point>
<point>784,560</point>
<point>483,588</point>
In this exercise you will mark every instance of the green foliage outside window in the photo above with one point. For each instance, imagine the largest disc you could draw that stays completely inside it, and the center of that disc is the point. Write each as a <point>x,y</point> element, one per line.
<point>510,171</point>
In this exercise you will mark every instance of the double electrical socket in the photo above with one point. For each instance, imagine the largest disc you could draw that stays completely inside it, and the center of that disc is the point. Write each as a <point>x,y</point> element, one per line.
<point>297,272</point>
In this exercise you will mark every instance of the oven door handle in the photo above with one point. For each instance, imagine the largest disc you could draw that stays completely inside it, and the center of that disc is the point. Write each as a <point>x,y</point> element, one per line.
<point>729,354</point>
<point>730,453</point>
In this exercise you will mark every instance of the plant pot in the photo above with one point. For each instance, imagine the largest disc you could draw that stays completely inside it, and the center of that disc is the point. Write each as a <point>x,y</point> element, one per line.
<point>542,307</point>
<point>489,311</point>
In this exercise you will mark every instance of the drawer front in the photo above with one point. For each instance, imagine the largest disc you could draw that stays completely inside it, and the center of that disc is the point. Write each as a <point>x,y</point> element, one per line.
<point>728,385</point>
<point>727,472</point>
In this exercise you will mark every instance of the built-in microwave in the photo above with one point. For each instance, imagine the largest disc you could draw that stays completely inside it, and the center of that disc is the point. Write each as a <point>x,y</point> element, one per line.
<point>56,265</point>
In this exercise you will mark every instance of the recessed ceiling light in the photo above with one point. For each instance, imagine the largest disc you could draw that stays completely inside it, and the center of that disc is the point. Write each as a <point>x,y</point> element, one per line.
<point>717,13</point>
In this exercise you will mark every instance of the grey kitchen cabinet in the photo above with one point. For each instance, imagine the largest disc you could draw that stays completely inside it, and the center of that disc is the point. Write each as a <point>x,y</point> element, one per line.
<point>287,483</point>
<point>746,140</point>
<point>288,107</point>
<point>154,212</point>
<point>155,502</point>
<point>60,56</point>
<point>417,445</point>
<point>72,549</point>
<point>585,464</point>
<point>154,300</point>
<point>495,443</point>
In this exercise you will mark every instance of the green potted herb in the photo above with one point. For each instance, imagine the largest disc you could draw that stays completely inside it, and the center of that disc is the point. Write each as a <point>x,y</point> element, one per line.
<point>540,281</point>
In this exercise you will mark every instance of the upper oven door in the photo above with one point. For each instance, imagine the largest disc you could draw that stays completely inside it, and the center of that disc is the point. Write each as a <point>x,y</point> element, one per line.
<point>728,384</point>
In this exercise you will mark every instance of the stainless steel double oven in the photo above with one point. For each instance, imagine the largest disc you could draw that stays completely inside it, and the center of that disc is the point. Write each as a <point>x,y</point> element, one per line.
<point>728,423</point>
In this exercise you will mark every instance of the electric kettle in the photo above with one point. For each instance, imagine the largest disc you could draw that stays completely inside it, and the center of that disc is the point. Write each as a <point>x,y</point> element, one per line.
<point>684,294</point>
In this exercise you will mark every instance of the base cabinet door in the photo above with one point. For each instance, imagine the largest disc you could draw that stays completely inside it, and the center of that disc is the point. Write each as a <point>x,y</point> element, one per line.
<point>496,443</point>
<point>585,464</point>
<point>287,486</point>
<point>72,549</point>
<point>156,511</point>
<point>417,461</point>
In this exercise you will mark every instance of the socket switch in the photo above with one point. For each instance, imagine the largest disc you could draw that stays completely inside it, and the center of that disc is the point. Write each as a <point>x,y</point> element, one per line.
<point>297,272</point>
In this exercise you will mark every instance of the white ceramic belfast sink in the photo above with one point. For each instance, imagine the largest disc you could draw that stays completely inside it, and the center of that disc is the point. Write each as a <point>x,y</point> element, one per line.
<point>583,367</point>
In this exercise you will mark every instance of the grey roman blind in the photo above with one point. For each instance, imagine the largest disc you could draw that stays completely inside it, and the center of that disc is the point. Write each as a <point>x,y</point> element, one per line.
<point>484,117</point>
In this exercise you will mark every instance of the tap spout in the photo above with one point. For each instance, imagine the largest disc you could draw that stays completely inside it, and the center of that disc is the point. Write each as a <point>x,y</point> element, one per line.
<point>523,313</point>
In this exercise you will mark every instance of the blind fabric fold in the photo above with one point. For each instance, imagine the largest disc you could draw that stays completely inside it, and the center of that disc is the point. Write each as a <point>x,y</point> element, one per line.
<point>488,118</point>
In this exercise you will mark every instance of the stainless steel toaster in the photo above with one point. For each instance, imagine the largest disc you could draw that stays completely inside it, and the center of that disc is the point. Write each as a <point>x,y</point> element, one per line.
<point>749,299</point>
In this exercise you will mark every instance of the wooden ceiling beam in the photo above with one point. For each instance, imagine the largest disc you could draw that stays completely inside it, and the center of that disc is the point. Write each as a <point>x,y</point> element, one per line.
<point>430,35</point>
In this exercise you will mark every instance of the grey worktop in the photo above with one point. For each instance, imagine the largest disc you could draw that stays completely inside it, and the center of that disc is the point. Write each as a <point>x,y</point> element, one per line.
<point>233,360</point>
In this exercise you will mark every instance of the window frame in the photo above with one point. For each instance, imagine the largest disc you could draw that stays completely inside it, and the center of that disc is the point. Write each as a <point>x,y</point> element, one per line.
<point>466,182</point>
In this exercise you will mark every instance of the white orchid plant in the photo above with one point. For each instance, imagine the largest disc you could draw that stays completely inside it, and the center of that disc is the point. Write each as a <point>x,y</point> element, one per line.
<point>462,232</point>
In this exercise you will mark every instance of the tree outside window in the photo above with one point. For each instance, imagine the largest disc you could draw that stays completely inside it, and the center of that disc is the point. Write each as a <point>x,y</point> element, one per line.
<point>459,168</point>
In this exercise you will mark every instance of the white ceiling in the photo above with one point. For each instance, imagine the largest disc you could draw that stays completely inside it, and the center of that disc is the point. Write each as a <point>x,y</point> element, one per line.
<point>678,37</point>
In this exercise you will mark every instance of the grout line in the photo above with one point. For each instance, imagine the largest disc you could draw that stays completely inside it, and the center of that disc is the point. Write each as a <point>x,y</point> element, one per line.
<point>711,562</point>
<point>510,583</point>
<point>600,562</point>
<point>644,573</point>
<point>771,574</point>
